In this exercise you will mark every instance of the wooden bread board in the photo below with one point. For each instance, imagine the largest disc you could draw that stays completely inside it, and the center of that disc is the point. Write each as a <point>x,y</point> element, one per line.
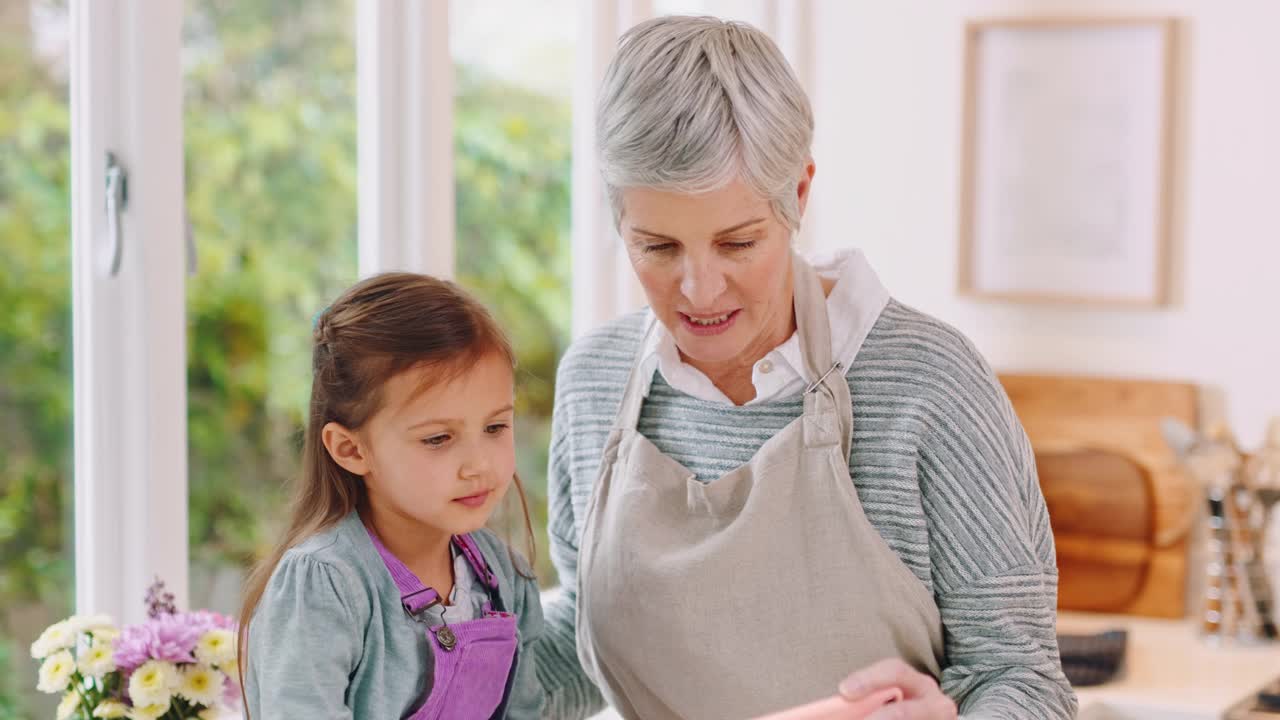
<point>1119,503</point>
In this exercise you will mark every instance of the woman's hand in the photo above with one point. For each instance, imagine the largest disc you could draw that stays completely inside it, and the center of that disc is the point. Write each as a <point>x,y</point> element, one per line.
<point>922,699</point>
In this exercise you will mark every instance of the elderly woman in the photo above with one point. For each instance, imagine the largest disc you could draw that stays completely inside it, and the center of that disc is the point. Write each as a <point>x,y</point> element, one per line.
<point>777,481</point>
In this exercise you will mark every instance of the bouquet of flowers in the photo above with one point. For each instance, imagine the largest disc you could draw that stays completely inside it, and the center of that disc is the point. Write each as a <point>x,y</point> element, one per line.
<point>172,667</point>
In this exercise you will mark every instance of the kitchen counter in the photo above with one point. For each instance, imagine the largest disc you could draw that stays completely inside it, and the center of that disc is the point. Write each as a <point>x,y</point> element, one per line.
<point>1171,672</point>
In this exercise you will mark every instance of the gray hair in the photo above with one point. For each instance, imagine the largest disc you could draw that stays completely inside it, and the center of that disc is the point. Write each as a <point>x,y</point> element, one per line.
<point>688,104</point>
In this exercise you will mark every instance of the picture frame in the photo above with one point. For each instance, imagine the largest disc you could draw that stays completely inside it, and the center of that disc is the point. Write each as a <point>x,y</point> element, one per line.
<point>1067,160</point>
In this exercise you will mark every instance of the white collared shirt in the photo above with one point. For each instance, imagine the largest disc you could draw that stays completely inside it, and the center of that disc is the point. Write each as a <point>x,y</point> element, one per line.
<point>853,306</point>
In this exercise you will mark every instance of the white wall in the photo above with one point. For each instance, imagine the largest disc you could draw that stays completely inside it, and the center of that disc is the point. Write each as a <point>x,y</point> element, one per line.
<point>887,94</point>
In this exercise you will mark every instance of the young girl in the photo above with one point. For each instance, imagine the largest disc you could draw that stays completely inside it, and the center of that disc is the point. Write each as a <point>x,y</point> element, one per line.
<point>385,598</point>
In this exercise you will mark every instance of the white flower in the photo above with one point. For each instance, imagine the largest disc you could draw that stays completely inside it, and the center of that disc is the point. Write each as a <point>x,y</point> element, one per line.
<point>58,636</point>
<point>96,660</point>
<point>70,703</point>
<point>148,712</point>
<point>201,685</point>
<point>106,635</point>
<point>56,672</point>
<point>111,709</point>
<point>217,648</point>
<point>210,713</point>
<point>233,674</point>
<point>152,684</point>
<point>90,623</point>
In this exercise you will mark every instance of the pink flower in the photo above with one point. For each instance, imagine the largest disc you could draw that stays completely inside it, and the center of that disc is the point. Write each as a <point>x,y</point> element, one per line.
<point>208,620</point>
<point>171,638</point>
<point>230,692</point>
<point>168,637</point>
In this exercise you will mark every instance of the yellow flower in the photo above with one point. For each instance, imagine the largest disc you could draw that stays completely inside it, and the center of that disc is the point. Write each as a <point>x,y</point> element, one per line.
<point>200,685</point>
<point>111,709</point>
<point>149,712</point>
<point>56,671</point>
<point>70,703</point>
<point>96,660</point>
<point>210,713</point>
<point>217,648</point>
<point>58,636</point>
<point>152,684</point>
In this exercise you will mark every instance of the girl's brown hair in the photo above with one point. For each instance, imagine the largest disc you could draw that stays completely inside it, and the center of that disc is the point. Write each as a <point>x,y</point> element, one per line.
<point>377,329</point>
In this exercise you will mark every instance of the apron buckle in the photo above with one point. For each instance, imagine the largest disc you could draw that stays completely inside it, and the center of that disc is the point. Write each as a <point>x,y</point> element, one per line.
<point>814,385</point>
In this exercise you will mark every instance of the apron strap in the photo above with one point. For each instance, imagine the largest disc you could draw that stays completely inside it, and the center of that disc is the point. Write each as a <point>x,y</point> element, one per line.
<point>633,395</point>
<point>812,324</point>
<point>416,597</point>
<point>824,374</point>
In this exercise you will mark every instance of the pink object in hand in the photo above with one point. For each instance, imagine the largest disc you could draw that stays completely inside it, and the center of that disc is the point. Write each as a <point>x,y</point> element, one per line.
<point>837,708</point>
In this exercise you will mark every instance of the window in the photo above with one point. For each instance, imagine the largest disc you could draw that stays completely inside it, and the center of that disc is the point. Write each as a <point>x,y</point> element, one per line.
<point>36,512</point>
<point>270,133</point>
<point>512,136</point>
<point>261,166</point>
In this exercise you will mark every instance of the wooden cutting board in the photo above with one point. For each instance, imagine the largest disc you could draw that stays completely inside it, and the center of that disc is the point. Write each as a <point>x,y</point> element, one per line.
<point>1119,504</point>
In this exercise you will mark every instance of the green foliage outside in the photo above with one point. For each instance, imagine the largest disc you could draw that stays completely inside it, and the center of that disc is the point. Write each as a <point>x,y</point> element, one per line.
<point>36,572</point>
<point>271,185</point>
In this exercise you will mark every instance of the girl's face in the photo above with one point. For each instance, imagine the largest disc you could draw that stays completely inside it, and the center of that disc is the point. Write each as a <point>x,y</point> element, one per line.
<point>443,457</point>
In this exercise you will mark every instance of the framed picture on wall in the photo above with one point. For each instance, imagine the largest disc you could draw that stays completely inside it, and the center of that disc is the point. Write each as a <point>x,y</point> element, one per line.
<point>1066,160</point>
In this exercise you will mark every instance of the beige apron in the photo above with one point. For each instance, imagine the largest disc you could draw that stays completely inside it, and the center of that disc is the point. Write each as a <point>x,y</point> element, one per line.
<point>760,590</point>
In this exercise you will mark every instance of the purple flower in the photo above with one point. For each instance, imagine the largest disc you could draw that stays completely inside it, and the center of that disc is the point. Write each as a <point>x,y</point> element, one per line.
<point>159,601</point>
<point>171,638</point>
<point>168,637</point>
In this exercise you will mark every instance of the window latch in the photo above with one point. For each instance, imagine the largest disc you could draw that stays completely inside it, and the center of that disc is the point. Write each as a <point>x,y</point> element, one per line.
<point>116,200</point>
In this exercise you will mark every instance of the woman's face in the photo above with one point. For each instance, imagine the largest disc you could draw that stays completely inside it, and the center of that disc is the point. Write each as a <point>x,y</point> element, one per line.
<point>715,267</point>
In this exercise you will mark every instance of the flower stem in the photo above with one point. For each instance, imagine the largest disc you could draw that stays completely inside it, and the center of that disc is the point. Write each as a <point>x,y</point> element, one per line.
<point>77,682</point>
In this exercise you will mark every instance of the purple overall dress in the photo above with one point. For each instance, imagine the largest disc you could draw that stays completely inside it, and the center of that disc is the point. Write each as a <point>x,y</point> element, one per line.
<point>473,659</point>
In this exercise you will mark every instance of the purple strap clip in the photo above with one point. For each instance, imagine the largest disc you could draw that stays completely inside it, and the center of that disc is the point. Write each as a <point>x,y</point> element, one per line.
<point>416,597</point>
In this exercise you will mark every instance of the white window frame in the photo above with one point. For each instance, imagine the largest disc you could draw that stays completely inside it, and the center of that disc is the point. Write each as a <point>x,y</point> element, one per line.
<point>129,329</point>
<point>603,286</point>
<point>404,77</point>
